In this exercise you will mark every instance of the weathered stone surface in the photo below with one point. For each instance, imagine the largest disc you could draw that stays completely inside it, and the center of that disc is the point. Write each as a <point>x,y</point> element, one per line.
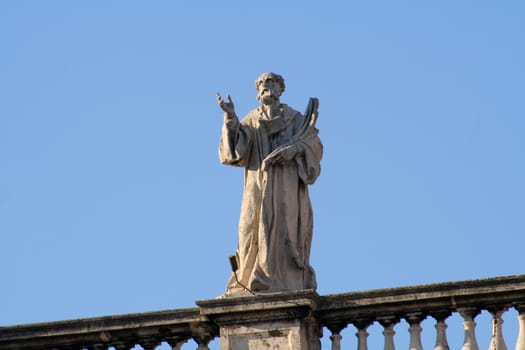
<point>260,336</point>
<point>280,150</point>
<point>439,297</point>
<point>260,308</point>
<point>122,331</point>
<point>280,321</point>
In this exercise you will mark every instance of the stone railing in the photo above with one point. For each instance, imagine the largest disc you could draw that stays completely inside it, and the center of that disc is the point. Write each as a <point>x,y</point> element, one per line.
<point>439,301</point>
<point>218,317</point>
<point>122,332</point>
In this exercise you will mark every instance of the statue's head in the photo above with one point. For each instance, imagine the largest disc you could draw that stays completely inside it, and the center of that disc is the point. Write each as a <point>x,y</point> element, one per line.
<point>269,87</point>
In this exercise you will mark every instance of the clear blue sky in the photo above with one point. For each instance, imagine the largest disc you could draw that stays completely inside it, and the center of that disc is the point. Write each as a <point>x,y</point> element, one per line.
<point>112,198</point>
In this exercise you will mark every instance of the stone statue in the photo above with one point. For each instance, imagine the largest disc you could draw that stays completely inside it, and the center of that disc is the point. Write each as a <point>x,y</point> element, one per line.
<point>280,151</point>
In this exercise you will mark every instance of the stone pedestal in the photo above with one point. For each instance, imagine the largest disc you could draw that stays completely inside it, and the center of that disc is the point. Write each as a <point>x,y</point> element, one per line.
<point>277,321</point>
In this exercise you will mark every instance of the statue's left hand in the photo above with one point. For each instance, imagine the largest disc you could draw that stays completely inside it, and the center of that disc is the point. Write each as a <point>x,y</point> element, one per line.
<point>280,156</point>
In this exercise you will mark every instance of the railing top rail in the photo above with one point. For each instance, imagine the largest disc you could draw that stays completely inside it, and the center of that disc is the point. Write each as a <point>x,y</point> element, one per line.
<point>426,299</point>
<point>488,285</point>
<point>128,327</point>
<point>114,321</point>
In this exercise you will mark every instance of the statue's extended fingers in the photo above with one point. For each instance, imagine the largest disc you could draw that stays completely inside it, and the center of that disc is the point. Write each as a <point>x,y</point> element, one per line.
<point>229,99</point>
<point>219,98</point>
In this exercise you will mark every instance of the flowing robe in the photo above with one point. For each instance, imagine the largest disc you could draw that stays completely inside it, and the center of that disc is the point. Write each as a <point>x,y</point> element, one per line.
<point>276,221</point>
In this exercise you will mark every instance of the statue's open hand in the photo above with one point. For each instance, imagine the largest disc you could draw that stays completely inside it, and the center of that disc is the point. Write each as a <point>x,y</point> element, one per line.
<point>228,106</point>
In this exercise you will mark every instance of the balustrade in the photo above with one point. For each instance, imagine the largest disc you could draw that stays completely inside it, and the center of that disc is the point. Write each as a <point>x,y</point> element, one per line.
<point>440,301</point>
<point>390,308</point>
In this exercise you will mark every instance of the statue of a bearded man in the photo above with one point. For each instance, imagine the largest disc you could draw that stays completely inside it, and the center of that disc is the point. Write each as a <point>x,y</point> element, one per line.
<point>280,151</point>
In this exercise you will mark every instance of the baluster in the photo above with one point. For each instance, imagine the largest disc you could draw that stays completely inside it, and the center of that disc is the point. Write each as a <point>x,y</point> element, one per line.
<point>497,342</point>
<point>388,324</point>
<point>389,333</point>
<point>520,343</point>
<point>203,333</point>
<point>441,330</point>
<point>362,334</point>
<point>176,342</point>
<point>469,325</point>
<point>414,319</point>
<point>202,341</point>
<point>336,337</point>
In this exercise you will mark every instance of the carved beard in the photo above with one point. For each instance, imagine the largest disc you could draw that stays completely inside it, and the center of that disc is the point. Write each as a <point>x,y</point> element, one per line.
<point>268,96</point>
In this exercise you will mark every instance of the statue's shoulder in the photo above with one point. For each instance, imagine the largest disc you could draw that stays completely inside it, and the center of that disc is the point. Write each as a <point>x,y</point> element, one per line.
<point>252,115</point>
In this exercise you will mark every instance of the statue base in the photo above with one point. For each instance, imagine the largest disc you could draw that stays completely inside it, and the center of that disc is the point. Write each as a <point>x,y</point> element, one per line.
<point>278,321</point>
